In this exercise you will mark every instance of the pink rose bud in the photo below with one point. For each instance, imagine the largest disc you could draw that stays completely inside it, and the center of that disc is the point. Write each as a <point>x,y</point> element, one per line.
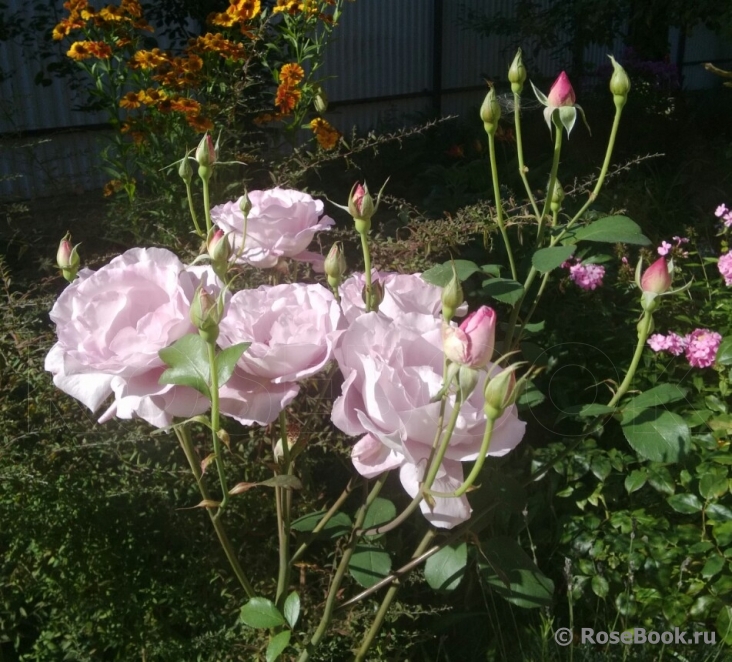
<point>561,93</point>
<point>335,265</point>
<point>218,247</point>
<point>206,152</point>
<point>205,315</point>
<point>472,342</point>
<point>67,258</point>
<point>656,278</point>
<point>361,207</point>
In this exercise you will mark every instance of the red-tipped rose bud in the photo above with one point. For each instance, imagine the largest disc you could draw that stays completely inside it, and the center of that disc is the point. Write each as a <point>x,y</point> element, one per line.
<point>67,258</point>
<point>206,152</point>
<point>361,207</point>
<point>472,342</point>
<point>656,278</point>
<point>561,93</point>
<point>335,265</point>
<point>218,247</point>
<point>205,315</point>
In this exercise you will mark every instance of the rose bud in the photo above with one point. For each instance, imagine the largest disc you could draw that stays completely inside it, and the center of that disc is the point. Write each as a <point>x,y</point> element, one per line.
<point>619,84</point>
<point>656,278</point>
<point>472,342</point>
<point>490,112</point>
<point>517,73</point>
<point>561,93</point>
<point>67,258</point>
<point>557,196</point>
<point>452,298</point>
<point>205,315</point>
<point>335,265</point>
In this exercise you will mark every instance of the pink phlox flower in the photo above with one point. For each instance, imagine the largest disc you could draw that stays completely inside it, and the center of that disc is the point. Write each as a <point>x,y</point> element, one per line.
<point>673,343</point>
<point>721,210</point>
<point>727,219</point>
<point>665,248</point>
<point>587,276</point>
<point>725,267</point>
<point>702,346</point>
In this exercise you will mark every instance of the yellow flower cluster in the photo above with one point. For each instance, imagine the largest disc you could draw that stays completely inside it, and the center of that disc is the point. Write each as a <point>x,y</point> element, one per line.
<point>325,133</point>
<point>311,7</point>
<point>215,43</point>
<point>288,95</point>
<point>81,13</point>
<point>238,12</point>
<point>83,50</point>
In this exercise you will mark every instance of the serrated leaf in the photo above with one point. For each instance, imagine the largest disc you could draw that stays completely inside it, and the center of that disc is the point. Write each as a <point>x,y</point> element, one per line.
<point>187,359</point>
<point>724,353</point>
<point>337,526</point>
<point>261,613</point>
<point>369,565</point>
<point>441,274</point>
<point>654,397</point>
<point>658,435</point>
<point>635,480</point>
<point>277,644</point>
<point>513,575</point>
<point>491,269</point>
<point>546,259</point>
<point>380,512</point>
<point>613,230</point>
<point>226,361</point>
<point>723,624</point>
<point>685,503</point>
<point>504,290</point>
<point>292,609</point>
<point>600,586</point>
<point>445,569</point>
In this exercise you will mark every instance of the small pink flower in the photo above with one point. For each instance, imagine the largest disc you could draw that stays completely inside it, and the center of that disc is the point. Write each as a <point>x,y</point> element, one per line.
<point>727,219</point>
<point>561,93</point>
<point>656,278</point>
<point>673,343</point>
<point>664,248</point>
<point>657,342</point>
<point>471,343</point>
<point>721,210</point>
<point>725,267</point>
<point>702,347</point>
<point>587,276</point>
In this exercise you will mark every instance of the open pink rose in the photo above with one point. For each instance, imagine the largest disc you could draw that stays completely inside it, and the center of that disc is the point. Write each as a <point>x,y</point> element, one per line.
<point>281,223</point>
<point>290,326</point>
<point>403,293</point>
<point>392,368</point>
<point>112,323</point>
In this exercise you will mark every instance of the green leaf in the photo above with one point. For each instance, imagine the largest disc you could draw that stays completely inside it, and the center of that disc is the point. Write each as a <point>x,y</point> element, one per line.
<point>601,466</point>
<point>660,479</point>
<point>723,533</point>
<point>658,435</point>
<point>600,586</point>
<point>713,566</point>
<point>338,525</point>
<point>491,269</point>
<point>445,569</point>
<point>380,512</point>
<point>724,624</point>
<point>546,259</point>
<point>654,397</point>
<point>635,480</point>
<point>713,484</point>
<point>261,613</point>
<point>441,274</point>
<point>187,361</point>
<point>529,397</point>
<point>292,609</point>
<point>724,353</point>
<point>717,511</point>
<point>369,565</point>
<point>586,411</point>
<point>226,361</point>
<point>504,290</point>
<point>277,644</point>
<point>685,503</point>
<point>611,229</point>
<point>513,575</point>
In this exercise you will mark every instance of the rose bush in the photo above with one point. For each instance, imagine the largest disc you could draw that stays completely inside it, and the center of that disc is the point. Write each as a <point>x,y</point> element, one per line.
<point>281,223</point>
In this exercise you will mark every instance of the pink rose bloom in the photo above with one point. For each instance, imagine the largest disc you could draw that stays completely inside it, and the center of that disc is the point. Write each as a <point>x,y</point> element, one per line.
<point>392,368</point>
<point>112,323</point>
<point>725,267</point>
<point>403,293</point>
<point>471,343</point>
<point>702,346</point>
<point>292,329</point>
<point>281,223</point>
<point>561,92</point>
<point>587,276</point>
<point>656,279</point>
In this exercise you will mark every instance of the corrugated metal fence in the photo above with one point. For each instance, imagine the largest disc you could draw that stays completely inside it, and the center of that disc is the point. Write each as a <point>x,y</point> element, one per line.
<point>389,59</point>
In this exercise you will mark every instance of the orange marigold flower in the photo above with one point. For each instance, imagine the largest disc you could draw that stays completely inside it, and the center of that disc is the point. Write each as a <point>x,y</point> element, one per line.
<point>291,74</point>
<point>142,24</point>
<point>131,100</point>
<point>125,127</point>
<point>287,99</point>
<point>75,6</point>
<point>325,133</point>
<point>200,124</point>
<point>88,13</point>
<point>192,63</point>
